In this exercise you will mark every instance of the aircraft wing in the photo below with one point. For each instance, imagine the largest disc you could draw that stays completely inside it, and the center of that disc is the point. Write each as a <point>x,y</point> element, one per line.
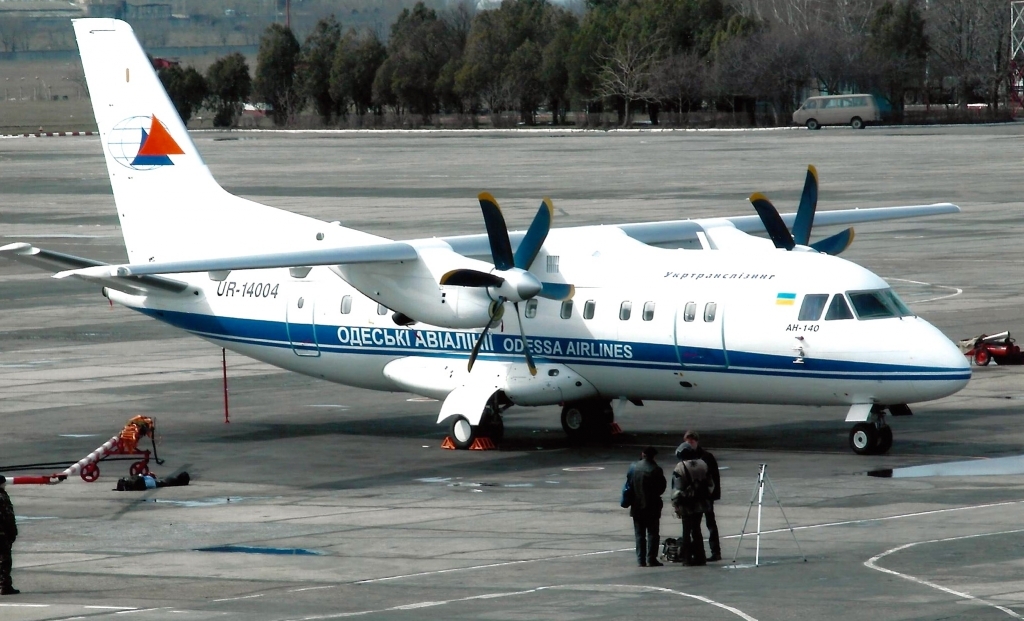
<point>373,253</point>
<point>673,233</point>
<point>57,261</point>
<point>669,232</point>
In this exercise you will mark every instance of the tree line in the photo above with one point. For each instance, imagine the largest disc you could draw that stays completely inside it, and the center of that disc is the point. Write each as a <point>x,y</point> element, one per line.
<point>752,59</point>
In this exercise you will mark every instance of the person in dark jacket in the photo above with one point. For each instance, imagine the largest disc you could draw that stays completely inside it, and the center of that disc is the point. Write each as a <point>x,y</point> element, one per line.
<point>691,491</point>
<point>648,482</point>
<point>8,533</point>
<point>693,439</point>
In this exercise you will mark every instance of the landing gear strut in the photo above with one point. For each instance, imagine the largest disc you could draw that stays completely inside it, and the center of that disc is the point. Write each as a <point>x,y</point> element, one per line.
<point>588,419</point>
<point>874,436</point>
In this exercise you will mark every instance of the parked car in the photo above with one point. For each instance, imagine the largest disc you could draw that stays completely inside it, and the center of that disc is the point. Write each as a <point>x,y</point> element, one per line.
<point>853,110</point>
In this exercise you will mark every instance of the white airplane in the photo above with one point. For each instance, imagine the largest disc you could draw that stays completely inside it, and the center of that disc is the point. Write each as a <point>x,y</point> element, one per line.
<point>583,317</point>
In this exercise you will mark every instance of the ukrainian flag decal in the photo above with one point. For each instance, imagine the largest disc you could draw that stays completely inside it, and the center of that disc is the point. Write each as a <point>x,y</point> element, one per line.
<point>785,299</point>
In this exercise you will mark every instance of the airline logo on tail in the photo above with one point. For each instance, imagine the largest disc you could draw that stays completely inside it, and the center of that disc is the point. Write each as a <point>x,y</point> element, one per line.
<point>142,143</point>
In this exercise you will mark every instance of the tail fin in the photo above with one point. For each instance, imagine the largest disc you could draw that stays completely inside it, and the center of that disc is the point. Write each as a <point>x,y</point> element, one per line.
<point>169,204</point>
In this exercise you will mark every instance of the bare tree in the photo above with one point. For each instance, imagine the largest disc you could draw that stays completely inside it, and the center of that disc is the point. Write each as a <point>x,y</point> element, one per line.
<point>681,80</point>
<point>626,70</point>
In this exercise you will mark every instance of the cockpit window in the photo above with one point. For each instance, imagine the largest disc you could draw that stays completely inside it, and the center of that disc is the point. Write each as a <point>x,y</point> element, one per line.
<point>878,304</point>
<point>901,309</point>
<point>838,309</point>
<point>813,304</point>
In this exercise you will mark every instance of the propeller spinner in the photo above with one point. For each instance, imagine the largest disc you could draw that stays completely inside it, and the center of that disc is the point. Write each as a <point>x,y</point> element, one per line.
<point>510,281</point>
<point>801,234</point>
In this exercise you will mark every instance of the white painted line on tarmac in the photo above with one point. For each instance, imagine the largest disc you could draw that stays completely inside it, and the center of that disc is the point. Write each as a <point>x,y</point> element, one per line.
<point>111,607</point>
<point>233,599</point>
<point>316,588</point>
<point>749,534</point>
<point>871,563</point>
<point>24,605</point>
<point>957,291</point>
<point>604,588</point>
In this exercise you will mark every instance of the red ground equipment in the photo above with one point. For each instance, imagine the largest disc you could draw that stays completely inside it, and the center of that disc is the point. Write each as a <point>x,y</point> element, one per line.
<point>982,350</point>
<point>123,446</point>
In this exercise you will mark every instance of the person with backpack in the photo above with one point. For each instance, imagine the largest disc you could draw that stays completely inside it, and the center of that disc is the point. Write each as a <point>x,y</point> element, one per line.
<point>693,439</point>
<point>645,483</point>
<point>691,489</point>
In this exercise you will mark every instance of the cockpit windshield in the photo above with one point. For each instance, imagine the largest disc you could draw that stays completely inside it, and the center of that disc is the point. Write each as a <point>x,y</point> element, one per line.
<point>878,304</point>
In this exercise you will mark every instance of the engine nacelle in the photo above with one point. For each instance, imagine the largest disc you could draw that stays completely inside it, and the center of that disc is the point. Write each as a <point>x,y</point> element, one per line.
<point>411,287</point>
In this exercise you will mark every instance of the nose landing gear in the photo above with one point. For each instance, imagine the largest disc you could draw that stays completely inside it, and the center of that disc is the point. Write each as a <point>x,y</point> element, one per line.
<point>874,436</point>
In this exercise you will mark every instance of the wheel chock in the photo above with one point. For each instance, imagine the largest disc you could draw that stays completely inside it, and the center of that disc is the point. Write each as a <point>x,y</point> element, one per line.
<point>448,444</point>
<point>616,430</point>
<point>483,443</point>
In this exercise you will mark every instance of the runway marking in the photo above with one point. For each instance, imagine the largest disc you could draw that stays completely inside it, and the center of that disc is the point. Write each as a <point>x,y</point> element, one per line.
<point>562,587</point>
<point>24,605</point>
<point>620,550</point>
<point>957,290</point>
<point>871,564</point>
<point>316,588</point>
<point>232,599</point>
<point>111,607</point>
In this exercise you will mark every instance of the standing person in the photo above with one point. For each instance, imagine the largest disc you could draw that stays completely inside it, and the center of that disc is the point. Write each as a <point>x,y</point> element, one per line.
<point>648,483</point>
<point>8,533</point>
<point>693,439</point>
<point>690,493</point>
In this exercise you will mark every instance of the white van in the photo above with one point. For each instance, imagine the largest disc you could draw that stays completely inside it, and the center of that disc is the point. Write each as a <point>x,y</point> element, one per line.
<point>853,110</point>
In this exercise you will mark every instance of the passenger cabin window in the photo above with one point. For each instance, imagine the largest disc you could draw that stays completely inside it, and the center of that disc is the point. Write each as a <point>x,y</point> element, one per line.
<point>382,310</point>
<point>566,311</point>
<point>624,310</point>
<point>648,311</point>
<point>531,309</point>
<point>588,309</point>
<point>346,304</point>
<point>813,304</point>
<point>709,311</point>
<point>690,311</point>
<point>838,309</point>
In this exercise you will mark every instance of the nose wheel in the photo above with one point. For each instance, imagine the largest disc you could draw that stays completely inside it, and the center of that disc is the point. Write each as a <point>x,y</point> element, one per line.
<point>871,438</point>
<point>588,419</point>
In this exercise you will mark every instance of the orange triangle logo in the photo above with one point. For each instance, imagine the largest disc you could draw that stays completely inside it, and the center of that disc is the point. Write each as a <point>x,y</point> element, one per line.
<point>159,141</point>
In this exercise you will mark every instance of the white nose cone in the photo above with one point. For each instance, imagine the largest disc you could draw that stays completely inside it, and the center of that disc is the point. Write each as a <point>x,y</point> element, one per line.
<point>952,370</point>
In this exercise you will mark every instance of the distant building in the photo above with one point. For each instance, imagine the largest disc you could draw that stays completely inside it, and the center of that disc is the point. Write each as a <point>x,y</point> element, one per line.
<point>122,9</point>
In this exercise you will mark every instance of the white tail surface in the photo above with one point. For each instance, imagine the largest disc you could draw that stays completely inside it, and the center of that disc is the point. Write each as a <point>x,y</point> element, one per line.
<point>169,204</point>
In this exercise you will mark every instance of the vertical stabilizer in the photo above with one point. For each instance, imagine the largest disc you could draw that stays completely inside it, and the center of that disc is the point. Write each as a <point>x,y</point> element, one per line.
<point>169,205</point>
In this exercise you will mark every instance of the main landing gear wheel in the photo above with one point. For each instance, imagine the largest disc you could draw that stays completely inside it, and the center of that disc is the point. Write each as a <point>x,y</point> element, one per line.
<point>462,432</point>
<point>864,438</point>
<point>588,419</point>
<point>884,440</point>
<point>492,425</point>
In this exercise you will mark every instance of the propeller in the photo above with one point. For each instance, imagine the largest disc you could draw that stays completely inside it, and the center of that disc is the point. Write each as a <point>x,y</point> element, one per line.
<point>511,280</point>
<point>782,237</point>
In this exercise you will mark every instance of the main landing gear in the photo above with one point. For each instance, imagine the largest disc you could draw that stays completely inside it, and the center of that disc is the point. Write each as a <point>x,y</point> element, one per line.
<point>590,419</point>
<point>874,436</point>
<point>463,434</point>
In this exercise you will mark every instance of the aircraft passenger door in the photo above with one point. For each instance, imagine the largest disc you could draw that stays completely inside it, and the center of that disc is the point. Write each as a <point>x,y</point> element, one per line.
<point>700,334</point>
<point>300,323</point>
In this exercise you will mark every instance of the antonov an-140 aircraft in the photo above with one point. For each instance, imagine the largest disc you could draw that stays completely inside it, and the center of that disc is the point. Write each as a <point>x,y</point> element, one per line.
<point>583,317</point>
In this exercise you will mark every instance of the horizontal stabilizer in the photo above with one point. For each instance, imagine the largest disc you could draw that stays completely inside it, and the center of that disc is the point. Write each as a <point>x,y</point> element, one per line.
<point>374,253</point>
<point>58,261</point>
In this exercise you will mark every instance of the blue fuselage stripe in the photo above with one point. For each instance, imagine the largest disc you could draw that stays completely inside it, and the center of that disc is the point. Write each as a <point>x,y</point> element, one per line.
<point>400,342</point>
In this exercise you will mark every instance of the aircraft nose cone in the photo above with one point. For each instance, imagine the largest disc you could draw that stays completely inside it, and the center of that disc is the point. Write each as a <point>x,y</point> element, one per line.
<point>951,366</point>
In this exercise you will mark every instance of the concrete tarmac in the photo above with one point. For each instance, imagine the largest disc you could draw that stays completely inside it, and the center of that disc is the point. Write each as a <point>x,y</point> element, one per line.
<point>370,517</point>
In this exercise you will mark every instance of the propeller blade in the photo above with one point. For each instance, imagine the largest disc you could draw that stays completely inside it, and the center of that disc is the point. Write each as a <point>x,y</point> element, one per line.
<point>772,221</point>
<point>535,235</point>
<point>835,244</point>
<point>805,213</point>
<point>526,344</point>
<point>471,278</point>
<point>497,232</point>
<point>557,291</point>
<point>495,310</point>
